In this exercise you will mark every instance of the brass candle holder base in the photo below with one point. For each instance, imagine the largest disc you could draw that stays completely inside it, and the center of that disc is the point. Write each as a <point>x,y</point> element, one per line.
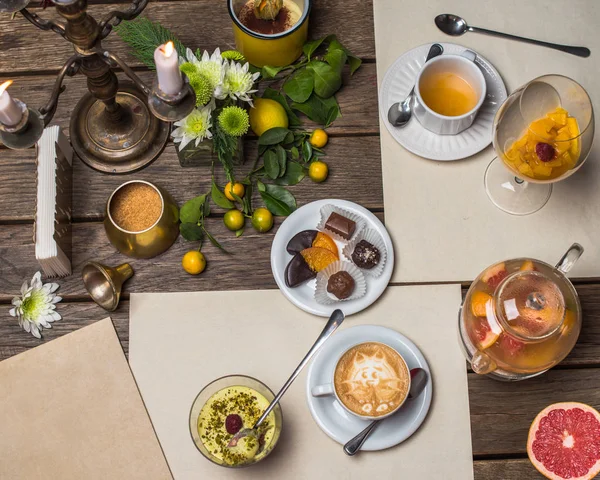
<point>119,141</point>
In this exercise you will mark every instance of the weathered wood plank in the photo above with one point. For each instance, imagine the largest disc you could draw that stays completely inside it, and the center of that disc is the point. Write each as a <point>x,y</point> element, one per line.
<point>197,23</point>
<point>358,99</point>
<point>355,174</point>
<point>501,412</point>
<point>518,469</point>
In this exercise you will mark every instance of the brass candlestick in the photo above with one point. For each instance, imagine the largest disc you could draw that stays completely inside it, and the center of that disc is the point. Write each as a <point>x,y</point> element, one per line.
<point>113,129</point>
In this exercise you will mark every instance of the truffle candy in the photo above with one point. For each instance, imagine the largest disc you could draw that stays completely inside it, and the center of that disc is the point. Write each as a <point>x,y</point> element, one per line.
<point>341,225</point>
<point>301,241</point>
<point>366,255</point>
<point>298,271</point>
<point>341,284</point>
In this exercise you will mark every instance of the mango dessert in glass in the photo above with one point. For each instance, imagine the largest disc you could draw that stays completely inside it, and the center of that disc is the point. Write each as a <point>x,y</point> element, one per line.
<point>542,134</point>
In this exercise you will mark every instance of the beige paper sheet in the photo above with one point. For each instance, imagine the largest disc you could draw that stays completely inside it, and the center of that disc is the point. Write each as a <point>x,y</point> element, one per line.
<point>70,410</point>
<point>443,225</point>
<point>180,342</point>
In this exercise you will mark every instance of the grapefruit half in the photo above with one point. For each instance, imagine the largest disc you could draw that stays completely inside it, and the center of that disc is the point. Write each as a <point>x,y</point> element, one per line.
<point>564,442</point>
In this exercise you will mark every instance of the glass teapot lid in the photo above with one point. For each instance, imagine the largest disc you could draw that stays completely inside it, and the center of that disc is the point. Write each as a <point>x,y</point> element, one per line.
<point>530,305</point>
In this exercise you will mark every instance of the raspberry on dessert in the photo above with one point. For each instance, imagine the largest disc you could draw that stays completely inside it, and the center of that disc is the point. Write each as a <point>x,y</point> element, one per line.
<point>544,151</point>
<point>233,423</point>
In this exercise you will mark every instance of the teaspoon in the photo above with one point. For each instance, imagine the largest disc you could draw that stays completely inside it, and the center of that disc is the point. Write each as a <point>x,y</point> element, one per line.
<point>399,113</point>
<point>455,26</point>
<point>419,379</point>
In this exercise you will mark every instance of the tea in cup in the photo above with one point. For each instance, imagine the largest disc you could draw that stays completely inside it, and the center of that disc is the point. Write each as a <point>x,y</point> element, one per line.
<point>449,91</point>
<point>371,380</point>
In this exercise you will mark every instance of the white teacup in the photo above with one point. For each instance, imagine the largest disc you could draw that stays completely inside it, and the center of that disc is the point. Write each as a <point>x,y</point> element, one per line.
<point>463,66</point>
<point>329,388</point>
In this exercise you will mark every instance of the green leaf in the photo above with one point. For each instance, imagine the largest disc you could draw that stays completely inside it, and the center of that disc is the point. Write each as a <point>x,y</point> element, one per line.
<point>261,186</point>
<point>191,210</point>
<point>320,110</point>
<point>240,232</point>
<point>282,158</point>
<point>355,63</point>
<point>278,200</point>
<point>205,210</point>
<point>327,79</point>
<point>299,86</point>
<point>219,197</point>
<point>353,60</point>
<point>191,231</point>
<point>337,59</point>
<point>280,98</point>
<point>271,164</point>
<point>294,173</point>
<point>214,241</point>
<point>273,136</point>
<point>295,153</point>
<point>268,71</point>
<point>289,138</point>
<point>307,151</point>
<point>247,201</point>
<point>310,47</point>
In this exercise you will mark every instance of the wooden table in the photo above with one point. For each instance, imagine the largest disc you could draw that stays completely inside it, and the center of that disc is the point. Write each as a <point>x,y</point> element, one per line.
<point>500,413</point>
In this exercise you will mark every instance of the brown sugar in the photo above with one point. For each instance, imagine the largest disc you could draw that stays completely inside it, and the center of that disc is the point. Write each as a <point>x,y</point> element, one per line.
<point>136,207</point>
<point>267,27</point>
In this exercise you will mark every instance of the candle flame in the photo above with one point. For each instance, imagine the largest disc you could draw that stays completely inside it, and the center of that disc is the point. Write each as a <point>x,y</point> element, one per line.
<point>5,85</point>
<point>167,49</point>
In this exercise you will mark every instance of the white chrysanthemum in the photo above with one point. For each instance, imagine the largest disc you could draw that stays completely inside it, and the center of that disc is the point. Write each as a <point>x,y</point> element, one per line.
<point>35,307</point>
<point>238,81</point>
<point>196,126</point>
<point>209,66</point>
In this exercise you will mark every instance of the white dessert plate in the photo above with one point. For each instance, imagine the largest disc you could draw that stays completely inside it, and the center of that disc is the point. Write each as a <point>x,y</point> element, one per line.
<point>396,85</point>
<point>340,425</point>
<point>306,218</point>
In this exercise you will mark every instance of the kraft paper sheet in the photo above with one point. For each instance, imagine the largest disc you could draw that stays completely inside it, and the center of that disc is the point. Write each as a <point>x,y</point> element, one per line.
<point>443,225</point>
<point>70,410</point>
<point>180,342</point>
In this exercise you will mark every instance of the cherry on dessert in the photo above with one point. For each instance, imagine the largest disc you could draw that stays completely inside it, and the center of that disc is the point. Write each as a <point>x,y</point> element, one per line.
<point>233,423</point>
<point>544,151</point>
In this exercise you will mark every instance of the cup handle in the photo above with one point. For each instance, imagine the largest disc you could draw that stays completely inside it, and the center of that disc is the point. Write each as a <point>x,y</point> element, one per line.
<point>469,55</point>
<point>570,258</point>
<point>322,390</point>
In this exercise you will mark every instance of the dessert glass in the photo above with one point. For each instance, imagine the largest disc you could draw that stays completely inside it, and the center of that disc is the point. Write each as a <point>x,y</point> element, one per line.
<point>520,317</point>
<point>217,385</point>
<point>509,182</point>
<point>277,50</point>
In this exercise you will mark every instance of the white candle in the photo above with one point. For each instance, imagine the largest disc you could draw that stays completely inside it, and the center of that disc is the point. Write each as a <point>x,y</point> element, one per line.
<point>10,112</point>
<point>167,69</point>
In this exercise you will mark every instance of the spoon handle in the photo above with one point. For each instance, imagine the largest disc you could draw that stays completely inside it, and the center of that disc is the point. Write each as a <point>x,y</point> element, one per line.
<point>354,445</point>
<point>336,319</point>
<point>579,51</point>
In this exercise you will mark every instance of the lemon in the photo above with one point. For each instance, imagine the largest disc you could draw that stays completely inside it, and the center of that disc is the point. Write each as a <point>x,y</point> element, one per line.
<point>319,138</point>
<point>237,188</point>
<point>193,262</point>
<point>267,114</point>
<point>234,220</point>
<point>318,171</point>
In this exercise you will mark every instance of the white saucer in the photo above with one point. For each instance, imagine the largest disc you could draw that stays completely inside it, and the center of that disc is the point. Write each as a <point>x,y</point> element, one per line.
<point>399,80</point>
<point>307,218</point>
<point>337,422</point>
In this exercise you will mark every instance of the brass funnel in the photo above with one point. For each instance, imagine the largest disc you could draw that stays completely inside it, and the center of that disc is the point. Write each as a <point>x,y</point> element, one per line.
<point>104,283</point>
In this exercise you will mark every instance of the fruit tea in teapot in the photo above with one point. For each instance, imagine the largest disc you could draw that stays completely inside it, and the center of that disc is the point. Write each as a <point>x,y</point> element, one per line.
<point>521,317</point>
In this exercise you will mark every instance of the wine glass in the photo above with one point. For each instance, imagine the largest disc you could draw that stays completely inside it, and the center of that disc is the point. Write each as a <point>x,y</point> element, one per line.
<point>542,134</point>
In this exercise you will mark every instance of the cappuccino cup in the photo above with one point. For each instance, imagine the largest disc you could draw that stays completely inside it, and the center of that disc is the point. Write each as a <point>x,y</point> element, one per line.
<point>371,381</point>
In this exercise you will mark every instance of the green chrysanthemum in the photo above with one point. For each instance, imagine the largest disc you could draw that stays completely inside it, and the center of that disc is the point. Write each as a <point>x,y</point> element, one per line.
<point>233,55</point>
<point>198,82</point>
<point>234,121</point>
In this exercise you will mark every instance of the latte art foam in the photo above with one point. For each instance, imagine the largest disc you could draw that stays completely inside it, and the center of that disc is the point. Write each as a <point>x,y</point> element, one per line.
<point>371,379</point>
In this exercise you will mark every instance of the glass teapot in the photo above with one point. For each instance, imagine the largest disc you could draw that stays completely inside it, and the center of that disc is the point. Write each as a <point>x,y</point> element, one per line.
<point>521,317</point>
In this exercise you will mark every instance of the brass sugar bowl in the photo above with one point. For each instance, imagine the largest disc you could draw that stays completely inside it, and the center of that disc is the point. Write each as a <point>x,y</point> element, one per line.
<point>151,241</point>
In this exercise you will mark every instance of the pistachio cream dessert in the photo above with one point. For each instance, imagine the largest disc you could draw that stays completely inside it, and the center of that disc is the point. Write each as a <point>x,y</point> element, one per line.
<point>226,413</point>
<point>270,17</point>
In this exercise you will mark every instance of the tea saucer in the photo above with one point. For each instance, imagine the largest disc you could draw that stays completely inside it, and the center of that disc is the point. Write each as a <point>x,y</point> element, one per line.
<point>307,217</point>
<point>337,422</point>
<point>399,80</point>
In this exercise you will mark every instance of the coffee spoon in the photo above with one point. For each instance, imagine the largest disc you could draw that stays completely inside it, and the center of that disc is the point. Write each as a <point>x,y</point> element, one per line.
<point>419,379</point>
<point>335,320</point>
<point>455,26</point>
<point>399,113</point>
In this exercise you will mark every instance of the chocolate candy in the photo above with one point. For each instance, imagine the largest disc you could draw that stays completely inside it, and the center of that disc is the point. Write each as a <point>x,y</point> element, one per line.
<point>300,241</point>
<point>341,284</point>
<point>366,255</point>
<point>297,271</point>
<point>341,225</point>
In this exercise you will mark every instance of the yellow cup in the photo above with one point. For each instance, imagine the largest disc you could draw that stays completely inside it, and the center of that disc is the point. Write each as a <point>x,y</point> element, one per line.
<point>277,50</point>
